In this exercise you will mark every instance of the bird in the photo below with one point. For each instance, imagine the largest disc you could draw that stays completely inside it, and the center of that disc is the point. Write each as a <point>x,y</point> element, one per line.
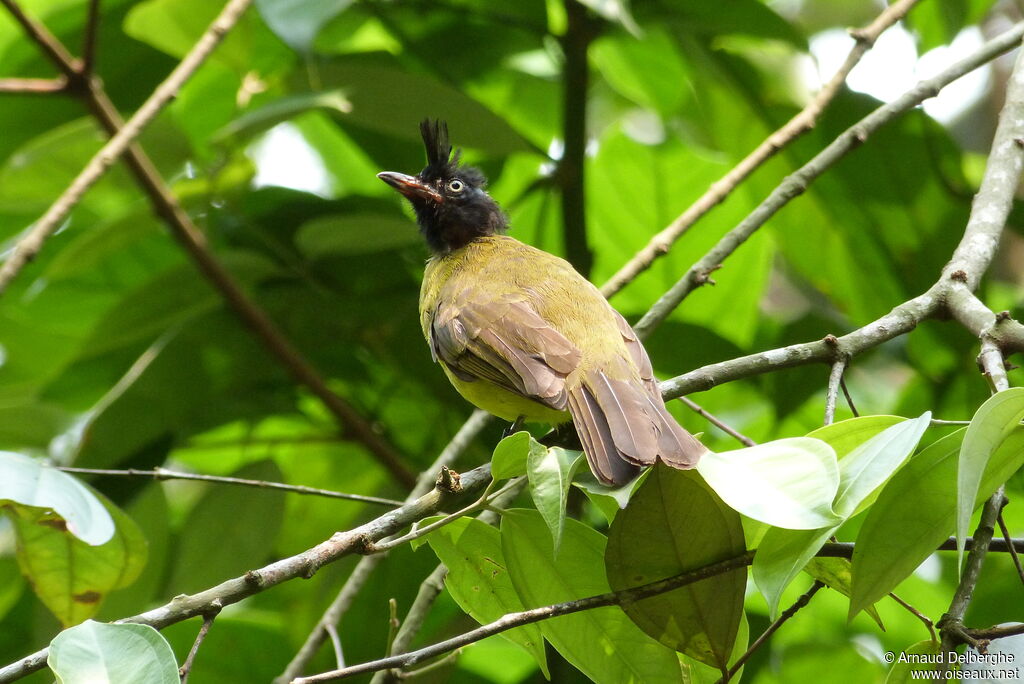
<point>521,334</point>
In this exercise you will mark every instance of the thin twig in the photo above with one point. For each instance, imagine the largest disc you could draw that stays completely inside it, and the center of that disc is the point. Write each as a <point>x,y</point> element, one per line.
<point>184,230</point>
<point>448,519</point>
<point>718,422</point>
<point>1013,551</point>
<point>992,633</point>
<point>835,379</point>
<point>30,244</point>
<point>164,474</point>
<point>429,590</point>
<point>951,625</point>
<point>393,625</point>
<point>89,41</point>
<point>525,617</point>
<point>919,615</point>
<point>849,399</point>
<point>33,86</point>
<point>208,619</point>
<point>798,182</point>
<point>342,544</point>
<point>771,629</point>
<point>339,652</point>
<point>47,42</point>
<point>794,128</point>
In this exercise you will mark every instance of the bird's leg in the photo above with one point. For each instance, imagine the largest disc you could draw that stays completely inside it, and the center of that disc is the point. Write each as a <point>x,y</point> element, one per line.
<point>515,427</point>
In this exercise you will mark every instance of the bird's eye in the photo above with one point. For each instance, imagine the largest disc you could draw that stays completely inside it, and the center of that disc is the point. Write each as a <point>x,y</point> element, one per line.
<point>456,185</point>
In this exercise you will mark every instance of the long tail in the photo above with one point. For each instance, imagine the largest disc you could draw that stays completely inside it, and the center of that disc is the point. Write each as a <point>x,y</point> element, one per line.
<point>623,425</point>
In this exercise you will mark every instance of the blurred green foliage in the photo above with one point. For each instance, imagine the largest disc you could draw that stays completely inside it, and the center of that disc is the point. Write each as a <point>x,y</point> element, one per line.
<point>115,352</point>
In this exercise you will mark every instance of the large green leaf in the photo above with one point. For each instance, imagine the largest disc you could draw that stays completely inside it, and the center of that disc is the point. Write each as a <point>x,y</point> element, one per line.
<point>70,576</point>
<point>916,511</point>
<point>355,234</point>
<point>675,523</point>
<point>512,453</point>
<point>990,426</point>
<point>98,653</point>
<point>31,489</point>
<point>479,582</point>
<point>786,483</point>
<point>602,643</point>
<point>783,554</point>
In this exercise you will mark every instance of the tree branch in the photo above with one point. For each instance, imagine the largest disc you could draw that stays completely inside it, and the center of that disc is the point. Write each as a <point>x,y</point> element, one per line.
<point>790,131</point>
<point>512,620</point>
<point>727,429</point>
<point>33,86</point>
<point>366,565</point>
<point>305,564</point>
<point>835,379</point>
<point>353,425</point>
<point>772,628</point>
<point>798,182</point>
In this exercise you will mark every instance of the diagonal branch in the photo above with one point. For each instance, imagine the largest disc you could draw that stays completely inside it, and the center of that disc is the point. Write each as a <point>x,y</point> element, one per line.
<point>354,426</point>
<point>801,123</point>
<point>798,182</point>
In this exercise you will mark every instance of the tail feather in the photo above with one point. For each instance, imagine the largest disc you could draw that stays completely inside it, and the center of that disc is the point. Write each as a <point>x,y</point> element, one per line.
<point>598,444</point>
<point>623,425</point>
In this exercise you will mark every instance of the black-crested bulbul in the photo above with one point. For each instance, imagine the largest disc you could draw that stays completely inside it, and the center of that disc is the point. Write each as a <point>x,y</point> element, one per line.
<point>521,334</point>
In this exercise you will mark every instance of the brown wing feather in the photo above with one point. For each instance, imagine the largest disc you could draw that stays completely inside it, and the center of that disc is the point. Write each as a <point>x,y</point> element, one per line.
<point>506,342</point>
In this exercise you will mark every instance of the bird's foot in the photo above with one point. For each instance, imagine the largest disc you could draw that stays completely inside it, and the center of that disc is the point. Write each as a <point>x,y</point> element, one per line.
<point>512,429</point>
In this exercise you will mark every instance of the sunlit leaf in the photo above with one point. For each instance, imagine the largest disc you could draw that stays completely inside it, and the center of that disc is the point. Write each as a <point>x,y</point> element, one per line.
<point>98,653</point>
<point>33,489</point>
<point>69,576</point>
<point>787,483</point>
<point>478,579</point>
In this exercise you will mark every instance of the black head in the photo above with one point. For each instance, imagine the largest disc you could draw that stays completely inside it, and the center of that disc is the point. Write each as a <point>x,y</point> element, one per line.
<point>450,200</point>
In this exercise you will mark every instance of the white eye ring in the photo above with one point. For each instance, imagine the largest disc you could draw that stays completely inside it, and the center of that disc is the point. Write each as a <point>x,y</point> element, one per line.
<point>456,185</point>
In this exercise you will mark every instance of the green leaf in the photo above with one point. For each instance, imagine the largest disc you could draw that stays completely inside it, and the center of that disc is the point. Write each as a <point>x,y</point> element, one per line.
<point>787,483</point>
<point>650,72</point>
<point>699,673</point>
<point>550,473</point>
<point>298,22</point>
<point>904,669</point>
<point>71,577</point>
<point>372,87</point>
<point>673,524</point>
<point>602,643</point>
<point>352,234</point>
<point>916,511</point>
<point>781,556</point>
<point>26,483</point>
<point>98,653</point>
<point>478,579</point>
<point>989,427</point>
<point>846,435</point>
<point>871,464</point>
<point>282,109</point>
<point>511,454</point>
